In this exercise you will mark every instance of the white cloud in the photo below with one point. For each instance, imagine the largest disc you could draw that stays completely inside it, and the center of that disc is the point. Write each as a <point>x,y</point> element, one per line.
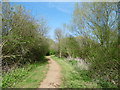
<point>64,10</point>
<point>63,7</point>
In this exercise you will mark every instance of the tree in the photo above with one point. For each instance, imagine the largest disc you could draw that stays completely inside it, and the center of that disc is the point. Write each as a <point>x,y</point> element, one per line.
<point>99,22</point>
<point>59,36</point>
<point>99,18</point>
<point>22,39</point>
<point>43,26</point>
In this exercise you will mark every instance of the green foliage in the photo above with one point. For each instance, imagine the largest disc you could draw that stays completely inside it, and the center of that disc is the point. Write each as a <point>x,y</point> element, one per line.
<point>24,43</point>
<point>52,47</point>
<point>72,46</point>
<point>107,84</point>
<point>17,77</point>
<point>105,65</point>
<point>95,25</point>
<point>73,62</point>
<point>13,77</point>
<point>72,78</point>
<point>23,40</point>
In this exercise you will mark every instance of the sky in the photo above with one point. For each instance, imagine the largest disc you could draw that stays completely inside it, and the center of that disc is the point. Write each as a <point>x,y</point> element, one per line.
<point>56,13</point>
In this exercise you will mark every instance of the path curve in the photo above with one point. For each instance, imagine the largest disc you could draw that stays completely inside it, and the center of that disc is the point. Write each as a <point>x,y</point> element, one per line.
<point>53,77</point>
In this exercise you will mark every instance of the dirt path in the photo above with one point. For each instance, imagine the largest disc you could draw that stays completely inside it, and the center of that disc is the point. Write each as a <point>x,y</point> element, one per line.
<point>53,76</point>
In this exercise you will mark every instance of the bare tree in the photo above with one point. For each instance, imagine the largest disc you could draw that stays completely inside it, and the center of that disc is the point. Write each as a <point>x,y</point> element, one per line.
<point>43,26</point>
<point>59,35</point>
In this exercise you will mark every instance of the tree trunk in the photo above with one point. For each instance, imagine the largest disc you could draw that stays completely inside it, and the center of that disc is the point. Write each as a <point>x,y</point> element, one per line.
<point>60,54</point>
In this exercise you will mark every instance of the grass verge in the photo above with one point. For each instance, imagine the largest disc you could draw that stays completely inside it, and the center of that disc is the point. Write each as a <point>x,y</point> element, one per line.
<point>28,77</point>
<point>71,78</point>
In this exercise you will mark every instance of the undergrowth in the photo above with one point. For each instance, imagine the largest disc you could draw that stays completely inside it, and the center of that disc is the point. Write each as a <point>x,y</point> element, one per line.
<point>74,77</point>
<point>17,76</point>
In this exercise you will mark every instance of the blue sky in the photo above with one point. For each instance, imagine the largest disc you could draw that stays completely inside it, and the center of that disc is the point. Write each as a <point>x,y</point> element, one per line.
<point>56,13</point>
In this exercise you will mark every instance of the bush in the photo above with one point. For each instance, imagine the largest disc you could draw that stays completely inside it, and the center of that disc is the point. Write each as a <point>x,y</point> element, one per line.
<point>23,41</point>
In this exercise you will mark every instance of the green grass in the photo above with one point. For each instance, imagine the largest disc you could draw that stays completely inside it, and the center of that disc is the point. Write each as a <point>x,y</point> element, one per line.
<point>28,77</point>
<point>71,78</point>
